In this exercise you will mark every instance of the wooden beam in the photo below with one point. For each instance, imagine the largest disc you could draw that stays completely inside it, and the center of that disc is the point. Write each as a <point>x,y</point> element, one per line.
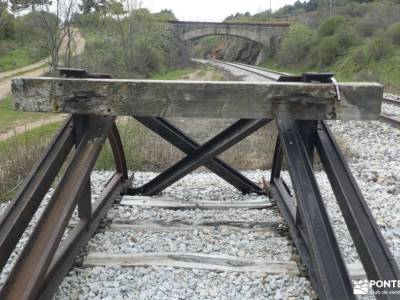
<point>198,99</point>
<point>211,262</point>
<point>167,202</point>
<point>268,228</point>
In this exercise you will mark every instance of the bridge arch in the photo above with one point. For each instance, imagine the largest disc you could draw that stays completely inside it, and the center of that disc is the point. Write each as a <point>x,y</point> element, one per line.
<point>260,33</point>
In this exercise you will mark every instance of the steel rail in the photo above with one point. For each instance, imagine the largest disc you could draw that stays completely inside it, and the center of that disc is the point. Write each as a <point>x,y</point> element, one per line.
<point>20,211</point>
<point>374,253</point>
<point>25,279</point>
<point>79,236</point>
<point>391,100</point>
<point>390,120</point>
<point>250,69</point>
<point>331,275</point>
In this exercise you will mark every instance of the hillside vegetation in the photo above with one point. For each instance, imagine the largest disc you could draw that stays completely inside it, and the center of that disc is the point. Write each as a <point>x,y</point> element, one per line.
<point>134,45</point>
<point>22,40</point>
<point>360,41</point>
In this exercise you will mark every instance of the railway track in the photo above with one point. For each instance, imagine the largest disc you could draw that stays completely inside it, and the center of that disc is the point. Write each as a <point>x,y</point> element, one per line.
<point>231,239</point>
<point>271,75</point>
<point>243,237</point>
<point>391,110</point>
<point>162,234</point>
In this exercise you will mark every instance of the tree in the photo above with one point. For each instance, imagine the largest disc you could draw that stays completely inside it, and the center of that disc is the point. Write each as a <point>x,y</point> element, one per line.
<point>6,21</point>
<point>166,14</point>
<point>89,6</point>
<point>59,30</point>
<point>17,5</point>
<point>311,5</point>
<point>3,6</point>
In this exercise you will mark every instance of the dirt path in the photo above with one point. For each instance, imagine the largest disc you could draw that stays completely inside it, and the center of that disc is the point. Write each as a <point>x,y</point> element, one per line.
<point>36,69</point>
<point>29,126</point>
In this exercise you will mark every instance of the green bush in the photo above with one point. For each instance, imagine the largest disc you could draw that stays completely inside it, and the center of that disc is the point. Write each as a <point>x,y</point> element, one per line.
<point>295,45</point>
<point>359,56</point>
<point>346,37</point>
<point>379,16</point>
<point>393,33</point>
<point>22,39</point>
<point>132,47</point>
<point>378,48</point>
<point>7,30</point>
<point>327,51</point>
<point>329,27</point>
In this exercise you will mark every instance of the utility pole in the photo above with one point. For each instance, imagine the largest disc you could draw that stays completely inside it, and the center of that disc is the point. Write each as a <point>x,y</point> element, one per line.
<point>270,8</point>
<point>330,8</point>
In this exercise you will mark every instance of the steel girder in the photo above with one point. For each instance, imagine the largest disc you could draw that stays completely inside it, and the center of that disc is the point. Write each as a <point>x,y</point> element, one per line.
<point>374,253</point>
<point>307,217</point>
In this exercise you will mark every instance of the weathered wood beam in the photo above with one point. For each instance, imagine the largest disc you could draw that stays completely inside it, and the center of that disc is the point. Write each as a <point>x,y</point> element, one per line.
<point>253,100</point>
<point>267,228</point>
<point>213,262</point>
<point>168,202</point>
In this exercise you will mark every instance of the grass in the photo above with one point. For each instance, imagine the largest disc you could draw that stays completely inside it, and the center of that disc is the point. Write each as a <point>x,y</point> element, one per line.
<point>15,59</point>
<point>10,118</point>
<point>19,153</point>
<point>173,74</point>
<point>29,137</point>
<point>347,68</point>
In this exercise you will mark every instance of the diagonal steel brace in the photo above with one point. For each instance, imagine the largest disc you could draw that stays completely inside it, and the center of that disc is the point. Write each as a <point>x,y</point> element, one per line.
<point>215,146</point>
<point>179,139</point>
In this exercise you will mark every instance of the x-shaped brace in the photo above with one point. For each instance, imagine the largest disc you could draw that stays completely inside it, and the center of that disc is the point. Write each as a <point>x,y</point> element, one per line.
<point>198,156</point>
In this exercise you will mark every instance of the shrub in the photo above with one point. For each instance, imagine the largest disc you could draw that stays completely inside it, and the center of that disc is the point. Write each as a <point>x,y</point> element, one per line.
<point>378,48</point>
<point>360,56</point>
<point>345,37</point>
<point>327,51</point>
<point>393,33</point>
<point>378,17</point>
<point>295,44</point>
<point>329,27</point>
<point>6,25</point>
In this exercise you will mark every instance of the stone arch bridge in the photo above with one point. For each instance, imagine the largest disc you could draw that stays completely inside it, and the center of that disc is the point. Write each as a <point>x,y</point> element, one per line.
<point>262,33</point>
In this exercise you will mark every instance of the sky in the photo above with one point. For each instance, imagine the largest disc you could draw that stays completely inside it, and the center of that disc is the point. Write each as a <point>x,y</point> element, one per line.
<point>211,10</point>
